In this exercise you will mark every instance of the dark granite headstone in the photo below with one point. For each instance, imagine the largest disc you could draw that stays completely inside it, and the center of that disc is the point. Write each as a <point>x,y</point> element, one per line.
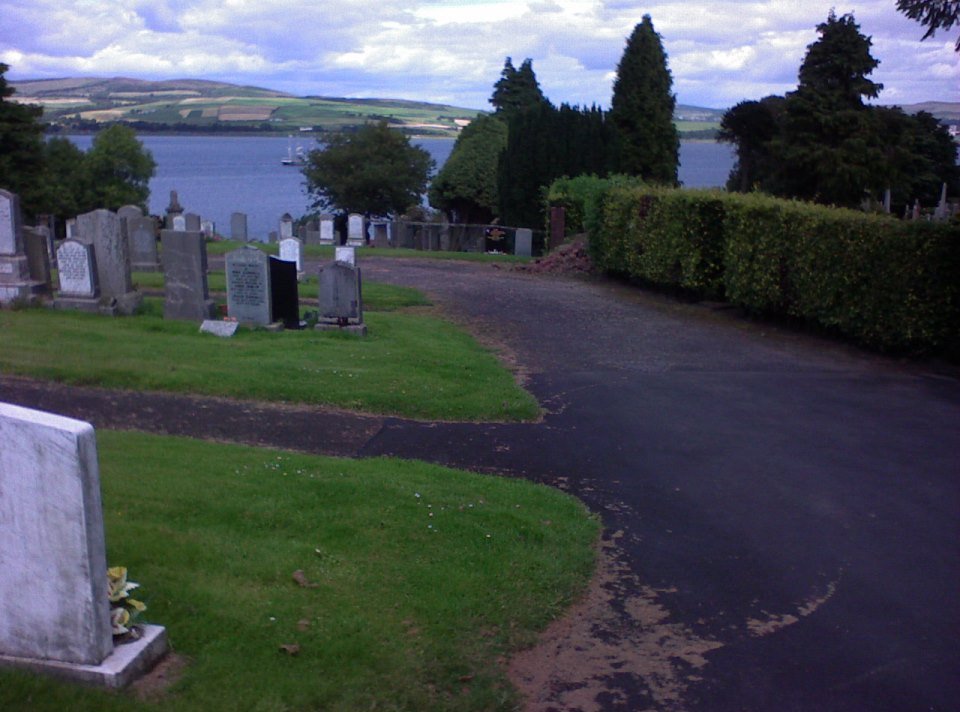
<point>341,302</point>
<point>185,276</point>
<point>38,261</point>
<point>283,292</point>
<point>248,286</point>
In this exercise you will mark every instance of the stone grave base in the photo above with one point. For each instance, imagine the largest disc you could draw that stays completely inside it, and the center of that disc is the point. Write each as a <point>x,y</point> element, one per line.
<point>24,293</point>
<point>358,329</point>
<point>125,664</point>
<point>91,304</point>
<point>128,303</point>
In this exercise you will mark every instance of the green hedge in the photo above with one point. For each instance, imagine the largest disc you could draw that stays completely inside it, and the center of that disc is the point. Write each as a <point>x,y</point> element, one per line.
<point>886,283</point>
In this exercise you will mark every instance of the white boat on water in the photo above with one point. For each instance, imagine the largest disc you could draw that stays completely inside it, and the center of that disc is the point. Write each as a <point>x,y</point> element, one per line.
<point>295,157</point>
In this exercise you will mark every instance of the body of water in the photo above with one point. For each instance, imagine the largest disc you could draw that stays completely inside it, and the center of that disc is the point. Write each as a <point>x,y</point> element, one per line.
<point>215,176</point>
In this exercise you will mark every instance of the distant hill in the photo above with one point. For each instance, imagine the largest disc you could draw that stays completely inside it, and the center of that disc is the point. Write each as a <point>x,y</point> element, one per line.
<point>200,105</point>
<point>947,111</point>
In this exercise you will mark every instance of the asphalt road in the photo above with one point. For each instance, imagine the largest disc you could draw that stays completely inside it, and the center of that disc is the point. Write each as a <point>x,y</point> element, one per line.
<point>782,512</point>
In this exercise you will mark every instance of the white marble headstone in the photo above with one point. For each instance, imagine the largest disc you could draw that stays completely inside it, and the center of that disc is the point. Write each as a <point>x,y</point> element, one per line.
<point>347,255</point>
<point>75,265</point>
<point>291,250</point>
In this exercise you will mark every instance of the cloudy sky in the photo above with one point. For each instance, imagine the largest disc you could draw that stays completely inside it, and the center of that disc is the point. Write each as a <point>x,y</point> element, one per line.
<point>447,51</point>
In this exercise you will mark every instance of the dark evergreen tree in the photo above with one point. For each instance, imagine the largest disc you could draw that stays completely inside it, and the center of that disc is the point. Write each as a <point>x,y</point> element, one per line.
<point>932,14</point>
<point>21,148</point>
<point>517,89</point>
<point>642,108</point>
<point>751,126</point>
<point>466,186</point>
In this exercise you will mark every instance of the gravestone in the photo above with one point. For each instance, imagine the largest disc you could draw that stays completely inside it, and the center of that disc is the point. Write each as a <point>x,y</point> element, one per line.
<point>402,234</point>
<point>381,235</point>
<point>356,232</point>
<point>291,250</point>
<point>185,276</point>
<point>327,236</point>
<point>16,284</point>
<point>286,226</point>
<point>248,286</point>
<point>341,303</point>
<point>173,210</point>
<point>54,610</point>
<point>129,212</point>
<point>310,232</point>
<point>284,297</point>
<point>77,272</point>
<point>207,228</point>
<point>179,223</point>
<point>238,227</point>
<point>191,222</point>
<point>70,228</point>
<point>103,229</point>
<point>38,261</point>
<point>523,242</point>
<point>223,329</point>
<point>142,234</point>
<point>347,255</point>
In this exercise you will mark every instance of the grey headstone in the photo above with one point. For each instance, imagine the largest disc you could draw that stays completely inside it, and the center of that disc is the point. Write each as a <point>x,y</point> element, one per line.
<point>104,230</point>
<point>142,232</point>
<point>248,286</point>
<point>191,222</point>
<point>16,283</point>
<point>38,260</point>
<point>53,591</point>
<point>523,242</point>
<point>286,226</point>
<point>11,239</point>
<point>381,235</point>
<point>291,250</point>
<point>185,276</point>
<point>238,227</point>
<point>77,270</point>
<point>129,212</point>
<point>340,294</point>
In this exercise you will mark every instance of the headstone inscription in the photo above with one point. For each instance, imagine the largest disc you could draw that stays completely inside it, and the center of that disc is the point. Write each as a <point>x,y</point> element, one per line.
<point>103,229</point>
<point>53,592</point>
<point>523,242</point>
<point>356,230</point>
<point>291,250</point>
<point>186,295</point>
<point>142,232</point>
<point>77,271</point>
<point>326,230</point>
<point>238,227</point>
<point>16,284</point>
<point>248,286</point>
<point>284,297</point>
<point>341,303</point>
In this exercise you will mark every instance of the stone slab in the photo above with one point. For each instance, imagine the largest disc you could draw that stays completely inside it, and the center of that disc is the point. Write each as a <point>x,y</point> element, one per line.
<point>223,329</point>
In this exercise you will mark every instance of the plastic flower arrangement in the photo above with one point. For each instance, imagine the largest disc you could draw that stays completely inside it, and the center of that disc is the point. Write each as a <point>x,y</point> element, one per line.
<point>123,609</point>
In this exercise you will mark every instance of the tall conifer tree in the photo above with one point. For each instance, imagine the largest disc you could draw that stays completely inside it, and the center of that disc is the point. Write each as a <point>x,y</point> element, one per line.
<point>642,108</point>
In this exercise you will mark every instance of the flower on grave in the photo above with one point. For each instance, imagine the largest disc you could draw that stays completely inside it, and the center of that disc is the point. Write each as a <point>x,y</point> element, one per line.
<point>123,609</point>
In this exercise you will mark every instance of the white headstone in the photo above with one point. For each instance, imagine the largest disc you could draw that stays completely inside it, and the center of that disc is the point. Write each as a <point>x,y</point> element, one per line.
<point>355,233</point>
<point>286,226</point>
<point>179,223</point>
<point>326,231</point>
<point>346,255</point>
<point>53,591</point>
<point>75,267</point>
<point>291,250</point>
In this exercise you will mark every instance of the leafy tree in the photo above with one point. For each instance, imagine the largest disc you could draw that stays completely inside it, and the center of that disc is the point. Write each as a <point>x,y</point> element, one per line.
<point>517,89</point>
<point>65,189</point>
<point>373,171</point>
<point>466,186</point>
<point>642,108</point>
<point>932,14</point>
<point>118,169</point>
<point>21,147</point>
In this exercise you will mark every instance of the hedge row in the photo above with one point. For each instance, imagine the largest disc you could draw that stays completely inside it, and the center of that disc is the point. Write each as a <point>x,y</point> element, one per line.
<point>886,283</point>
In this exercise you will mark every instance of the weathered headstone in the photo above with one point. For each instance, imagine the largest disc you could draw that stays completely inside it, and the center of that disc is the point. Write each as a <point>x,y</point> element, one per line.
<point>208,228</point>
<point>238,227</point>
<point>341,303</point>
<point>16,284</point>
<point>77,272</point>
<point>356,230</point>
<point>346,254</point>
<point>179,223</point>
<point>291,250</point>
<point>191,222</point>
<point>286,226</point>
<point>381,234</point>
<point>38,261</point>
<point>284,296</point>
<point>523,242</point>
<point>185,276</point>
<point>248,286</point>
<point>327,236</point>
<point>129,212</point>
<point>54,609</point>
<point>142,233</point>
<point>223,329</point>
<point>70,228</point>
<point>104,230</point>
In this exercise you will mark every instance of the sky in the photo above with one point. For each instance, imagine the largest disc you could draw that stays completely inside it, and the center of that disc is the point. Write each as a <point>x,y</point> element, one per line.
<point>719,52</point>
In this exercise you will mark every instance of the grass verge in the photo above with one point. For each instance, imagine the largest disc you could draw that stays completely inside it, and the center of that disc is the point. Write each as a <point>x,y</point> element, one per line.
<point>409,365</point>
<point>421,577</point>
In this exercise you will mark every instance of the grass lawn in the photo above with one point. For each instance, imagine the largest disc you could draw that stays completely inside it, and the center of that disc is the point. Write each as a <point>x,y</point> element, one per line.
<point>421,577</point>
<point>413,365</point>
<point>221,247</point>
